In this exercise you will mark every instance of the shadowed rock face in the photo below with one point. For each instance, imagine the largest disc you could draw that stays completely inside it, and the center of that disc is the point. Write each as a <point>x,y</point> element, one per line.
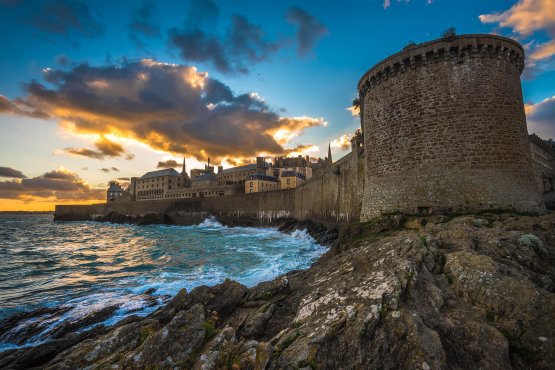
<point>465,293</point>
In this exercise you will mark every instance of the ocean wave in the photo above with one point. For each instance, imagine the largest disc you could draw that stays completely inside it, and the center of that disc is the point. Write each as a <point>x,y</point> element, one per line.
<point>100,273</point>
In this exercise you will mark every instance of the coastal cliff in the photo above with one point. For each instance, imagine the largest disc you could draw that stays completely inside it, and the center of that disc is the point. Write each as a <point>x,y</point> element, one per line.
<point>394,293</point>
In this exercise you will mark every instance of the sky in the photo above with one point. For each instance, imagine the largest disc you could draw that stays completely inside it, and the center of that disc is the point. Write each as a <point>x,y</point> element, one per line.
<point>94,91</point>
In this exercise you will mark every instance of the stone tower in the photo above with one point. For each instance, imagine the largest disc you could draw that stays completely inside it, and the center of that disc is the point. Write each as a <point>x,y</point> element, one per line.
<point>445,131</point>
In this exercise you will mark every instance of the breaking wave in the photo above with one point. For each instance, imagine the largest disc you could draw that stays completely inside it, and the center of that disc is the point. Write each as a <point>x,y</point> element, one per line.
<point>60,277</point>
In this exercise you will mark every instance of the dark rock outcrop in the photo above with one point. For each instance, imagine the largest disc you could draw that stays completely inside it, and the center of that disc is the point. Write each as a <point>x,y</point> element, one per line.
<point>471,292</point>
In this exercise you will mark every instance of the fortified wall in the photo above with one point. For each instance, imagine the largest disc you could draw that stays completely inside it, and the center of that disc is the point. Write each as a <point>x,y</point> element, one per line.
<point>445,130</point>
<point>332,197</point>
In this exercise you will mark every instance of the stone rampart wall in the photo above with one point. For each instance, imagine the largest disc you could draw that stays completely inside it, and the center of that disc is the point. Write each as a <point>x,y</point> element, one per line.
<point>333,197</point>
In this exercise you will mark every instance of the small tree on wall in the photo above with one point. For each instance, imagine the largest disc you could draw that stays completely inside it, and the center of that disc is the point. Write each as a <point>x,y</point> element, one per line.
<point>449,34</point>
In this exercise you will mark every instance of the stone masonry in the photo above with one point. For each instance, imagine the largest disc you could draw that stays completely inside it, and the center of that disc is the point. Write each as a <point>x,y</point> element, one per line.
<point>445,130</point>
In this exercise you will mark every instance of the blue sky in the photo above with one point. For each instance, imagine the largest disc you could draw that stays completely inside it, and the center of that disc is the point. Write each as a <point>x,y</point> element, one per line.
<point>296,63</point>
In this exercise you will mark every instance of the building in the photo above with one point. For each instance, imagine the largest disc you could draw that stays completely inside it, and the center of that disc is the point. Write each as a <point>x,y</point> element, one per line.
<point>204,180</point>
<point>322,164</point>
<point>543,159</point>
<point>238,175</point>
<point>258,183</point>
<point>445,130</point>
<point>291,179</point>
<point>296,164</point>
<point>115,191</point>
<point>202,192</point>
<point>208,169</point>
<point>155,184</point>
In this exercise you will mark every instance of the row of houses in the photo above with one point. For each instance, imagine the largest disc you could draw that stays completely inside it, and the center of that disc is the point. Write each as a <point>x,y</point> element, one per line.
<point>283,173</point>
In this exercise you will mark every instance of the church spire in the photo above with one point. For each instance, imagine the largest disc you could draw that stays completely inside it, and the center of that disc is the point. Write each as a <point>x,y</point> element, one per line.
<point>184,170</point>
<point>330,161</point>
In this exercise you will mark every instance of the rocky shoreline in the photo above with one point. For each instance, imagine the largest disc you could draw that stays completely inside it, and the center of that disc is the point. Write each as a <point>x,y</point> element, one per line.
<point>436,292</point>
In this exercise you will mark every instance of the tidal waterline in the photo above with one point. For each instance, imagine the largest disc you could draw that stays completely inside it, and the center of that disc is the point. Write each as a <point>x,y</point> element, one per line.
<point>85,267</point>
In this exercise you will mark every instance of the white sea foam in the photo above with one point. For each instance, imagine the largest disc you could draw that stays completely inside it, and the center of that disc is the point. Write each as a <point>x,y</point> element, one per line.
<point>303,234</point>
<point>92,266</point>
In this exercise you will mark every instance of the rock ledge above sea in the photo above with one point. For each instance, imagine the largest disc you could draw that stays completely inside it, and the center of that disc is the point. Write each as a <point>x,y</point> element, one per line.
<point>471,292</point>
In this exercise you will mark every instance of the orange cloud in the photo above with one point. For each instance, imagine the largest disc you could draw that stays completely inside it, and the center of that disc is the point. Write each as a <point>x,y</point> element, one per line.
<point>342,143</point>
<point>355,111</point>
<point>104,148</point>
<point>526,18</point>
<point>55,186</point>
<point>171,108</point>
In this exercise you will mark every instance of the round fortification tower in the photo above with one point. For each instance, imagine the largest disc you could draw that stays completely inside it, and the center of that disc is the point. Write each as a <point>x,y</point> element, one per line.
<point>445,130</point>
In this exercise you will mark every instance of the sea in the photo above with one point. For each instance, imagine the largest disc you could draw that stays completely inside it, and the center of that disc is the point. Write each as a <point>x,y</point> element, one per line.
<point>86,266</point>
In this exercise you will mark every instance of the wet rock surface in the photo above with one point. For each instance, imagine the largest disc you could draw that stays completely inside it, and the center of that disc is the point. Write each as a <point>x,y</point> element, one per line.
<point>470,292</point>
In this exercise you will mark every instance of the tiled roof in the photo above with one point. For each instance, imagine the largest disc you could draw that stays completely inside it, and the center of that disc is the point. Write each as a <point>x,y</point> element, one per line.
<point>159,173</point>
<point>205,177</point>
<point>247,167</point>
<point>258,176</point>
<point>115,187</point>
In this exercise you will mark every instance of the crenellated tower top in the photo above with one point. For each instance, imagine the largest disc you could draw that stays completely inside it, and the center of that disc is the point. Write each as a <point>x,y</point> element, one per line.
<point>457,49</point>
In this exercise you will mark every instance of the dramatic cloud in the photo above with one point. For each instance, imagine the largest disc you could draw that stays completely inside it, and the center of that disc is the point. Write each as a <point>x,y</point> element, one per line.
<point>302,149</point>
<point>170,163</point>
<point>63,18</point>
<point>60,184</point>
<point>10,172</point>
<point>19,107</point>
<point>142,24</point>
<point>243,45</point>
<point>541,118</point>
<point>310,30</point>
<point>171,108</point>
<point>342,143</point>
<point>527,18</point>
<point>104,148</point>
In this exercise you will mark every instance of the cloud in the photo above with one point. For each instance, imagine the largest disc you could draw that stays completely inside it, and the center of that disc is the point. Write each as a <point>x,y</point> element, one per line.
<point>170,163</point>
<point>342,143</point>
<point>142,24</point>
<point>528,19</point>
<point>10,172</point>
<point>302,149</point>
<point>107,170</point>
<point>19,107</point>
<point>104,148</point>
<point>124,179</point>
<point>310,30</point>
<point>64,18</point>
<point>60,184</point>
<point>171,108</point>
<point>541,118</point>
<point>355,111</point>
<point>244,44</point>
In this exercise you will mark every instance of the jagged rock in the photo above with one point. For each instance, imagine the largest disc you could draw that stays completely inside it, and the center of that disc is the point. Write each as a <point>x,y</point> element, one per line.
<point>107,349</point>
<point>268,289</point>
<point>255,325</point>
<point>171,345</point>
<point>472,292</point>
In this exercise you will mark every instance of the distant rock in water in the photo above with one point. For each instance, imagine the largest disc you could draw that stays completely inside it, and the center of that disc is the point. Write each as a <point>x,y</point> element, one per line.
<point>472,292</point>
